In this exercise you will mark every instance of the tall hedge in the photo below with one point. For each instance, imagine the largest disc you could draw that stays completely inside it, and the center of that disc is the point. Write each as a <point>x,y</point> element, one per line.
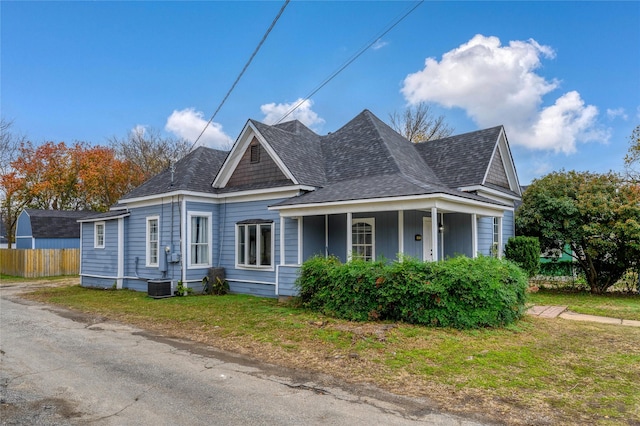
<point>460,292</point>
<point>524,252</point>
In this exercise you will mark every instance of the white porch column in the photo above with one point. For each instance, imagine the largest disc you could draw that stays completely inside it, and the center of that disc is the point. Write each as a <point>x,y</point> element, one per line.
<point>282,251</point>
<point>401,231</point>
<point>326,235</point>
<point>474,235</point>
<point>500,246</point>
<point>183,240</point>
<point>349,236</point>
<point>300,240</point>
<point>120,275</point>
<point>434,233</point>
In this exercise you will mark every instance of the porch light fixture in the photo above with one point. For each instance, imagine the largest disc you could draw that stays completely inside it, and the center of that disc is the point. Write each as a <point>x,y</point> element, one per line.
<point>440,227</point>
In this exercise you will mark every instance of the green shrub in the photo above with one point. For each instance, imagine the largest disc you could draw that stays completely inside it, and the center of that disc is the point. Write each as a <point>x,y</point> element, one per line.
<point>524,252</point>
<point>559,268</point>
<point>460,292</point>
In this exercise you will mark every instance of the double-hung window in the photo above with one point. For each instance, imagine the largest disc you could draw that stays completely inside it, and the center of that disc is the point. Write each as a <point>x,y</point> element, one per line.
<point>495,246</point>
<point>363,239</point>
<point>254,244</point>
<point>98,235</point>
<point>153,235</point>
<point>199,239</point>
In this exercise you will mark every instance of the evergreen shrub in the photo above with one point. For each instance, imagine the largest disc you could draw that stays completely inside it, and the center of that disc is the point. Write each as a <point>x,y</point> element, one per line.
<point>524,252</point>
<point>459,292</point>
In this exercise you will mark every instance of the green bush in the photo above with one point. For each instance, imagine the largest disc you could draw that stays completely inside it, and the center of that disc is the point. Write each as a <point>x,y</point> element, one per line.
<point>460,292</point>
<point>559,268</point>
<point>524,252</point>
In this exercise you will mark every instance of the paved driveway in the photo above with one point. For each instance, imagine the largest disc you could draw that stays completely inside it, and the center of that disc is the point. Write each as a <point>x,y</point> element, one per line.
<point>61,368</point>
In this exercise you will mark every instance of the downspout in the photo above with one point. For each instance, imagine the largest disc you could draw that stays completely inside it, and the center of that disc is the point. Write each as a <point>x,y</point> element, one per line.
<point>120,275</point>
<point>80,266</point>
<point>183,243</point>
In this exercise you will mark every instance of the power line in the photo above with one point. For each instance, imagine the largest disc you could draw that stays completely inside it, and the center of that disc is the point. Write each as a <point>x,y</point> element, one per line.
<point>351,60</point>
<point>255,52</point>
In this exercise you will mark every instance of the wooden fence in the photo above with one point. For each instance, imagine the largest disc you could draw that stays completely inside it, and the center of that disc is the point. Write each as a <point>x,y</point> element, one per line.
<point>39,262</point>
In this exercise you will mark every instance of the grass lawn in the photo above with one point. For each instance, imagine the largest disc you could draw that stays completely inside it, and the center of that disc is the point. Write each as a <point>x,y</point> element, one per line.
<point>540,371</point>
<point>608,305</point>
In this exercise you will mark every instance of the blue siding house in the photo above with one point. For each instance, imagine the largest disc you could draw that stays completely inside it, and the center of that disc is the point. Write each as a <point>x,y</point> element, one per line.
<point>49,229</point>
<point>284,194</point>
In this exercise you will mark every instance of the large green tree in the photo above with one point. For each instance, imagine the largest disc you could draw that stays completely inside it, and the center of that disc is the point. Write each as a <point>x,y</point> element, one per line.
<point>596,215</point>
<point>632,159</point>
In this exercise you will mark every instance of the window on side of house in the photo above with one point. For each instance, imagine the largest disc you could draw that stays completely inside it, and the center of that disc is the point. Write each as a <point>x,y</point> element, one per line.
<point>254,244</point>
<point>496,237</point>
<point>363,239</point>
<point>153,235</point>
<point>199,239</point>
<point>98,235</point>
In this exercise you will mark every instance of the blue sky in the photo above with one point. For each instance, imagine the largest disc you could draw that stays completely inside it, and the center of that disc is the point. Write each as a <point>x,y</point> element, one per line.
<point>563,77</point>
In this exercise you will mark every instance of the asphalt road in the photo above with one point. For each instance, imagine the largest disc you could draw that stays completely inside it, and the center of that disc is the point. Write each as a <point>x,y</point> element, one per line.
<point>61,368</point>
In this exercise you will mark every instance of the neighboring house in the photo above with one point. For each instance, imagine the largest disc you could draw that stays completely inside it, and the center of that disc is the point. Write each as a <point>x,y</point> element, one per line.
<point>49,229</point>
<point>284,194</point>
<point>4,237</point>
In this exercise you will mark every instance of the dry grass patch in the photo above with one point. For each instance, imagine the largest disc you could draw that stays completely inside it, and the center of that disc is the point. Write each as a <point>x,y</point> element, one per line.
<point>540,371</point>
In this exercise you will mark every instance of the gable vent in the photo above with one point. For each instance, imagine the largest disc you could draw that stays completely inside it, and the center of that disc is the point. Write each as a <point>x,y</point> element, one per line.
<point>255,153</point>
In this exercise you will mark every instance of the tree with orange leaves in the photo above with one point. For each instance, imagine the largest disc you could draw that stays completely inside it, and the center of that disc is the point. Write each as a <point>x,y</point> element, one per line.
<point>61,177</point>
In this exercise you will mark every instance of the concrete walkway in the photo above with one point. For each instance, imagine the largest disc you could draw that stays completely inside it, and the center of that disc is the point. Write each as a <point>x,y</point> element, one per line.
<point>561,311</point>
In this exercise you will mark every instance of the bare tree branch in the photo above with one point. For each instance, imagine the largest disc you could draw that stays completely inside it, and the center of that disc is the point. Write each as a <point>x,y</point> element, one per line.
<point>419,124</point>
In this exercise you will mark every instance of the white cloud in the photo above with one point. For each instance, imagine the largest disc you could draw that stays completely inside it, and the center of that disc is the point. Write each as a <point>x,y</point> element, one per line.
<point>618,112</point>
<point>379,44</point>
<point>274,112</point>
<point>188,124</point>
<point>498,84</point>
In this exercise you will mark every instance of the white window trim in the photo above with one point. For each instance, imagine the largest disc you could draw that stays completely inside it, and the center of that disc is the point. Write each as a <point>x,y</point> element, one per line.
<point>96,244</point>
<point>147,242</point>
<point>239,265</point>
<point>372,222</point>
<point>209,217</point>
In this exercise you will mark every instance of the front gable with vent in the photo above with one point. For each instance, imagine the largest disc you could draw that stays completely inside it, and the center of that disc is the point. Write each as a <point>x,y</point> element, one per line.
<point>500,180</point>
<point>252,163</point>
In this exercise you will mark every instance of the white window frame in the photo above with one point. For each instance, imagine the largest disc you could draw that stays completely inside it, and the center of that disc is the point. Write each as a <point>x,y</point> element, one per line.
<point>148,241</point>
<point>96,241</point>
<point>495,237</point>
<point>371,221</point>
<point>258,247</point>
<point>209,217</point>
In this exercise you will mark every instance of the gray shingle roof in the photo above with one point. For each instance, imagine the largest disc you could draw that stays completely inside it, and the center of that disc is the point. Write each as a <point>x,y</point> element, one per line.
<point>194,172</point>
<point>56,223</point>
<point>363,159</point>
<point>298,147</point>
<point>105,216</point>
<point>461,160</point>
<point>367,159</point>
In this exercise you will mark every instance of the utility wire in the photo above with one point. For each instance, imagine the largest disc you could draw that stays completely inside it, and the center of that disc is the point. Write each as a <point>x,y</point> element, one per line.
<point>255,52</point>
<point>351,60</point>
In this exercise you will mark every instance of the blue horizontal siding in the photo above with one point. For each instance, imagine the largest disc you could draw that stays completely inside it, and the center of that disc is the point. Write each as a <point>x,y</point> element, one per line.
<point>287,276</point>
<point>100,261</point>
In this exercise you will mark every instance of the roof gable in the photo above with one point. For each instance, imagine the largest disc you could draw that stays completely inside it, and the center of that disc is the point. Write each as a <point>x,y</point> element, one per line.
<point>496,173</point>
<point>461,160</point>
<point>256,166</point>
<point>473,159</point>
<point>299,148</point>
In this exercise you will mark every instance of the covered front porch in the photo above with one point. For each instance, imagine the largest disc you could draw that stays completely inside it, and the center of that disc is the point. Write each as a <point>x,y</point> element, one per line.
<point>428,230</point>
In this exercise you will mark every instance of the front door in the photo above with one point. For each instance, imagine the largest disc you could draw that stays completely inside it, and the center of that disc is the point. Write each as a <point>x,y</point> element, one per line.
<point>427,243</point>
